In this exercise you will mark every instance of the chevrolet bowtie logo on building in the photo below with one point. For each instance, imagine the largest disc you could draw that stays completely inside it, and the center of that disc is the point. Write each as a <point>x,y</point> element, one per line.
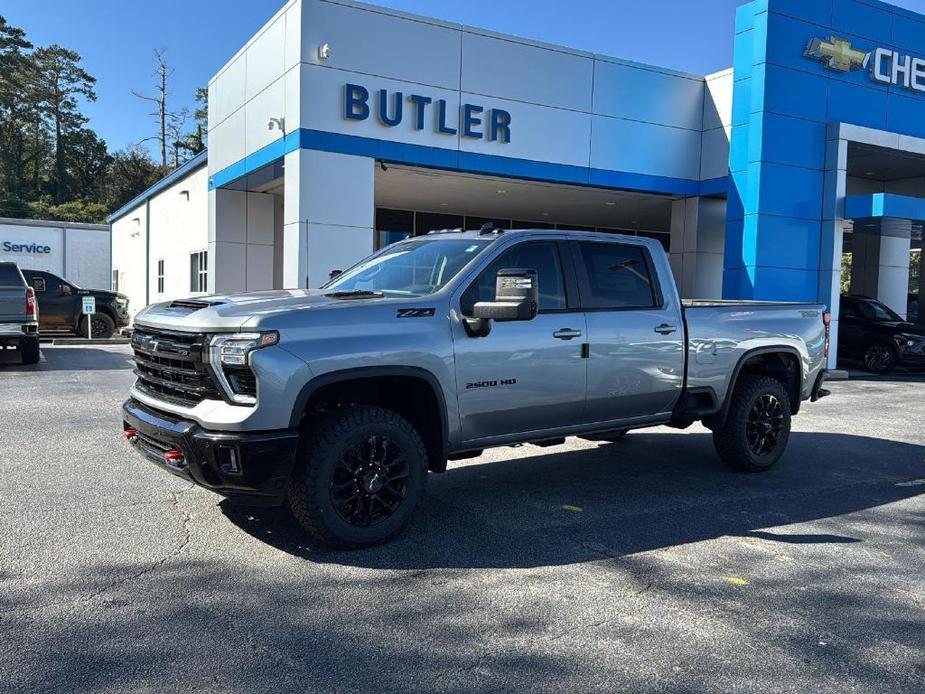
<point>836,54</point>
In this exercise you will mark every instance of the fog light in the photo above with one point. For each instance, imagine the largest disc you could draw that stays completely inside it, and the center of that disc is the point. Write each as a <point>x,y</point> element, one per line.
<point>228,460</point>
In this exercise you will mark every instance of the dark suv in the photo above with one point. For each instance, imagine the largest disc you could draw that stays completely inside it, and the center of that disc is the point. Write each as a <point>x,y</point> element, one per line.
<point>873,333</point>
<point>60,304</point>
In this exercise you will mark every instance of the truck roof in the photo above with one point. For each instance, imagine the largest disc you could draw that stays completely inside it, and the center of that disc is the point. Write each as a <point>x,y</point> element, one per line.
<point>488,232</point>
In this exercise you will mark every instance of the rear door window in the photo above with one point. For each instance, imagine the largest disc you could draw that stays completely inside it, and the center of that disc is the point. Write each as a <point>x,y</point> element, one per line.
<point>617,276</point>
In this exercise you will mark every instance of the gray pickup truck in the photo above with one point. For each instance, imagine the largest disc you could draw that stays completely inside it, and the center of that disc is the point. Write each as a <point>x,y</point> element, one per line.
<point>339,400</point>
<point>19,320</point>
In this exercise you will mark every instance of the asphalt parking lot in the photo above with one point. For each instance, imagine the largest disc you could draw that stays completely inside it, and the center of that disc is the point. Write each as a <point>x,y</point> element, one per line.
<point>643,565</point>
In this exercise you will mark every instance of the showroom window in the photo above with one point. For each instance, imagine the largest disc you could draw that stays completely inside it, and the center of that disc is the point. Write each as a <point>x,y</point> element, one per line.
<point>160,276</point>
<point>198,271</point>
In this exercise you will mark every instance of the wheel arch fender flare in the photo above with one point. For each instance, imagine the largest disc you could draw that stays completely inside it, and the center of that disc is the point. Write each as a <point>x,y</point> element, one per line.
<point>718,419</point>
<point>371,372</point>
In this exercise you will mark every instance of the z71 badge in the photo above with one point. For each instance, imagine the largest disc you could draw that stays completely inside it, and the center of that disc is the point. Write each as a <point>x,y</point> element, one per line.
<point>415,313</point>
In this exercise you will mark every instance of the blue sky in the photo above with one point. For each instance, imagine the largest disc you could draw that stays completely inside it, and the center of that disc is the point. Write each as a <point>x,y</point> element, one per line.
<point>116,38</point>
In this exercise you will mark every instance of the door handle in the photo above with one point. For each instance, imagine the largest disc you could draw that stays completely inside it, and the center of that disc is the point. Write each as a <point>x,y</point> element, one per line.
<point>566,334</point>
<point>665,329</point>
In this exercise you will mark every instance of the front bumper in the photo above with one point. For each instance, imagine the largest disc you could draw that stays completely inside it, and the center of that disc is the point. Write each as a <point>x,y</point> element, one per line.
<point>250,468</point>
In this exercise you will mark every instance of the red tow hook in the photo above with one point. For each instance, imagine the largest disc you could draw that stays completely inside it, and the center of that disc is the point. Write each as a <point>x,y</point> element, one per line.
<point>131,435</point>
<point>174,457</point>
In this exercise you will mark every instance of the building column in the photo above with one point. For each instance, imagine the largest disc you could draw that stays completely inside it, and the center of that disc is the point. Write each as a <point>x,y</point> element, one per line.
<point>880,268</point>
<point>328,214</point>
<point>697,236</point>
<point>240,241</point>
<point>921,288</point>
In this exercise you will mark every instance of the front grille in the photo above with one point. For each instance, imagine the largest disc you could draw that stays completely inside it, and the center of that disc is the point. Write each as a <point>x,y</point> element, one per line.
<point>170,366</point>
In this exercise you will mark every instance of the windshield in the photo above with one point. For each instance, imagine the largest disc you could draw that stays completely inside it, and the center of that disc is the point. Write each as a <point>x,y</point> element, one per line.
<point>412,268</point>
<point>877,312</point>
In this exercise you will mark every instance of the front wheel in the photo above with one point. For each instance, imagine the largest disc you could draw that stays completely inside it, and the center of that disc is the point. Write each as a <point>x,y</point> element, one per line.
<point>879,358</point>
<point>360,476</point>
<point>757,428</point>
<point>102,326</point>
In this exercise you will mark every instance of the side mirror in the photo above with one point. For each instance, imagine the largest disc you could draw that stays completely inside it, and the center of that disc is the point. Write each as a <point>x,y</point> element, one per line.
<point>517,298</point>
<point>66,290</point>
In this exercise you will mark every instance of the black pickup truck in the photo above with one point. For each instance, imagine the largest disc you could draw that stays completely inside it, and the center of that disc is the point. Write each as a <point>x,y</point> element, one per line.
<point>60,305</point>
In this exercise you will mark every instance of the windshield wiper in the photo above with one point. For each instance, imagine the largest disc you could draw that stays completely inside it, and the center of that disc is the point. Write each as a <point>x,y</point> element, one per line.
<point>355,294</point>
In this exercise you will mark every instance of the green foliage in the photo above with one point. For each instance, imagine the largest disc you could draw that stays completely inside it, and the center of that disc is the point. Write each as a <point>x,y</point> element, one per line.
<point>52,164</point>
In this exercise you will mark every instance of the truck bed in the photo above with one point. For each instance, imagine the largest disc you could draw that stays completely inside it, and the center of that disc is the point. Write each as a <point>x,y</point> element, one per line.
<point>720,333</point>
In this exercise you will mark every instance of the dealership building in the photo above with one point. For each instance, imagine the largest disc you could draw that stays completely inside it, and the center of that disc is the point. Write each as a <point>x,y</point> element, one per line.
<point>341,127</point>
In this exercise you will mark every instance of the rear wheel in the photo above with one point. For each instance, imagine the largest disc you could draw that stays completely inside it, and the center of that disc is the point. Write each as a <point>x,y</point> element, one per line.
<point>102,325</point>
<point>757,428</point>
<point>30,352</point>
<point>879,358</point>
<point>360,477</point>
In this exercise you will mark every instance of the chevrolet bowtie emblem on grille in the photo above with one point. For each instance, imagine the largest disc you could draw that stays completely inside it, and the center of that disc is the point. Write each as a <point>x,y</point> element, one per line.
<point>836,54</point>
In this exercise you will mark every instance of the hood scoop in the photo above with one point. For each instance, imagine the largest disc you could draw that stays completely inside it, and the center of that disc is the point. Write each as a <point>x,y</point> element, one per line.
<point>191,305</point>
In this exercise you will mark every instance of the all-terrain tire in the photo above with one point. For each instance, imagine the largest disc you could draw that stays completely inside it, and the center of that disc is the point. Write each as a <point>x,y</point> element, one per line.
<point>103,326</point>
<point>30,353</point>
<point>331,449</point>
<point>757,427</point>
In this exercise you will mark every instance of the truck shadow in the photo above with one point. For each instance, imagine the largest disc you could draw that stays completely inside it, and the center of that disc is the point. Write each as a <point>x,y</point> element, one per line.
<point>650,491</point>
<point>69,359</point>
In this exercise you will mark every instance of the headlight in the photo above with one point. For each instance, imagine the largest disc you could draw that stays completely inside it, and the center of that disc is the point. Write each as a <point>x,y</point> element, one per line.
<point>229,359</point>
<point>234,349</point>
<point>904,340</point>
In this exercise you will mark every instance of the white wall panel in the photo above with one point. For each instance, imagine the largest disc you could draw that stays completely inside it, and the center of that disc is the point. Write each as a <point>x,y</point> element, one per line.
<point>265,58</point>
<point>373,42</point>
<point>717,103</point>
<point>336,189</point>
<point>230,216</point>
<point>259,267</point>
<point>537,132</point>
<point>227,142</point>
<point>715,156</point>
<point>505,69</point>
<point>270,103</point>
<point>260,211</point>
<point>323,108</point>
<point>628,91</point>
<point>228,92</point>
<point>230,266</point>
<point>645,148</point>
<point>292,51</point>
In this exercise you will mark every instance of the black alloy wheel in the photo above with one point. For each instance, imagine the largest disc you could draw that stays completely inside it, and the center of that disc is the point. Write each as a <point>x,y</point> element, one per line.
<point>765,424</point>
<point>369,482</point>
<point>879,358</point>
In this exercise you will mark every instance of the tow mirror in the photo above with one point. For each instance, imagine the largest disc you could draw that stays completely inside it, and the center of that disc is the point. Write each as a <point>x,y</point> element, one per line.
<point>517,295</point>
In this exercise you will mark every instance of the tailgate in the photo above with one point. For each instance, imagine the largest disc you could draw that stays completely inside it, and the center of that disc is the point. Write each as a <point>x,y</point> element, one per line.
<point>12,304</point>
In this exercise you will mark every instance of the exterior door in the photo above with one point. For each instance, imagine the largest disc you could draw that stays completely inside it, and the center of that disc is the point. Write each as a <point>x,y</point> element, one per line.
<point>525,375</point>
<point>55,307</point>
<point>635,335</point>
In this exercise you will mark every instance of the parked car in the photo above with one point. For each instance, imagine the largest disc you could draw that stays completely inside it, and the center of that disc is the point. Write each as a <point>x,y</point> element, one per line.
<point>61,303</point>
<point>871,332</point>
<point>19,326</point>
<point>339,400</point>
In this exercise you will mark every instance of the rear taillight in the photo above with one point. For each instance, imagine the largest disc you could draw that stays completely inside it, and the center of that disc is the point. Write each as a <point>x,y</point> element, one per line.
<point>30,302</point>
<point>827,322</point>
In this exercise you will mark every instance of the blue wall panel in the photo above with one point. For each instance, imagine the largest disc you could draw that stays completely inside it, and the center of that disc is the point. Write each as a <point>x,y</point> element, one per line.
<point>774,232</point>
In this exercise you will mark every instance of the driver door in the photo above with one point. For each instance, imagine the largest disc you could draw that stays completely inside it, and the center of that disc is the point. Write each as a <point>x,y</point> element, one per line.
<point>525,375</point>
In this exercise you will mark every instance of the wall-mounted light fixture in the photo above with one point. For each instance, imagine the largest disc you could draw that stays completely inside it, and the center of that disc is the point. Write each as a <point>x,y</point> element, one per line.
<point>324,51</point>
<point>185,193</point>
<point>279,123</point>
<point>137,232</point>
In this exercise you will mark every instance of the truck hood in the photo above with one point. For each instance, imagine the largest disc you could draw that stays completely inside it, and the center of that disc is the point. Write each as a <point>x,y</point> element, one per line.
<point>224,312</point>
